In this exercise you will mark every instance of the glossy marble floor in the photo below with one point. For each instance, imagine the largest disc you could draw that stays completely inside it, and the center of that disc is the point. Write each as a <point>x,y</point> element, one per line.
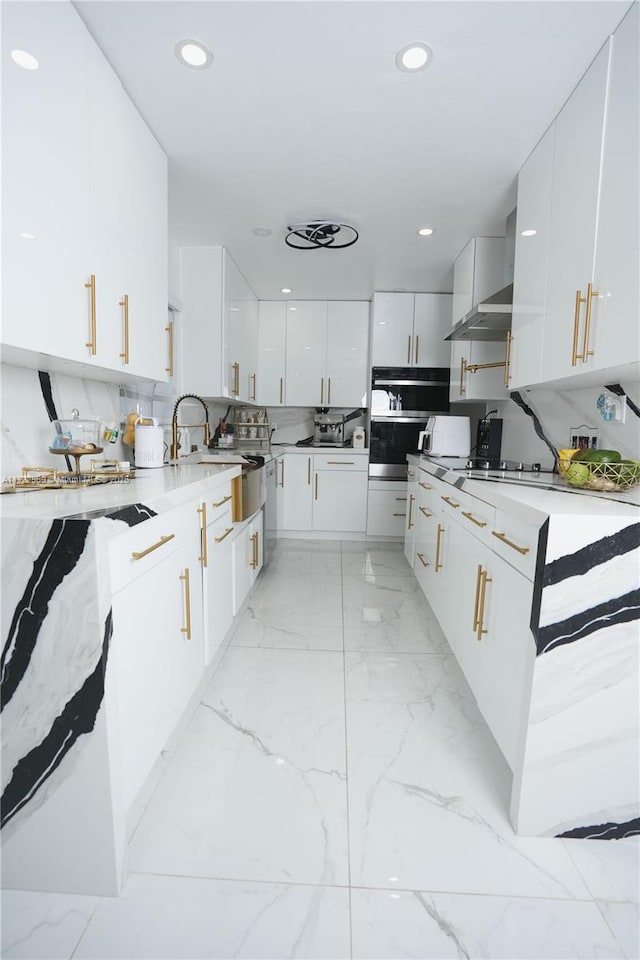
<point>338,795</point>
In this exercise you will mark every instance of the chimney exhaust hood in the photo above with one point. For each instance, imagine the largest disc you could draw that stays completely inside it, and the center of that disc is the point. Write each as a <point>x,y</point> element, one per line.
<point>489,320</point>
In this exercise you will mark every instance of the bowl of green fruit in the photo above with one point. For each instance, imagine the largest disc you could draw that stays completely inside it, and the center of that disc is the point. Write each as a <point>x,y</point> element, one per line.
<point>598,470</point>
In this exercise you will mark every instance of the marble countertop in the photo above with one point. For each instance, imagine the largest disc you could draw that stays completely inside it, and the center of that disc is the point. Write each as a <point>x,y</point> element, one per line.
<point>546,493</point>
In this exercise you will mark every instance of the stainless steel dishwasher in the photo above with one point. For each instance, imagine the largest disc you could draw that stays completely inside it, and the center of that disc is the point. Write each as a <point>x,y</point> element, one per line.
<point>270,510</point>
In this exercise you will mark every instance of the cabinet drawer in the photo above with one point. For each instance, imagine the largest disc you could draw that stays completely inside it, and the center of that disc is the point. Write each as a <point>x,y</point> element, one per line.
<point>516,541</point>
<point>220,530</point>
<point>218,502</point>
<point>336,461</point>
<point>144,546</point>
<point>474,515</point>
<point>386,512</point>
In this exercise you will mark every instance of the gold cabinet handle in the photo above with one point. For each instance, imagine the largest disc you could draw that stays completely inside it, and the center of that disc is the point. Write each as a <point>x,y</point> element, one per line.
<point>308,471</point>
<point>417,347</point>
<point>485,579</point>
<point>463,370</point>
<point>507,358</point>
<point>281,475</point>
<point>154,546</point>
<point>219,503</point>
<point>409,520</point>
<point>400,499</point>
<point>438,535</point>
<point>91,286</point>
<point>321,390</point>
<point>169,330</point>
<point>576,327</point>
<point>224,535</point>
<point>253,563</point>
<point>187,603</point>
<point>315,494</point>
<point>425,486</point>
<point>509,543</point>
<point>591,293</point>
<point>329,390</point>
<point>425,512</point>
<point>124,303</point>
<point>203,534</point>
<point>425,563</point>
<point>409,349</point>
<point>257,536</point>
<point>398,514</point>
<point>451,503</point>
<point>281,389</point>
<point>235,389</point>
<point>470,516</point>
<point>476,604</point>
<point>341,463</point>
<point>253,392</point>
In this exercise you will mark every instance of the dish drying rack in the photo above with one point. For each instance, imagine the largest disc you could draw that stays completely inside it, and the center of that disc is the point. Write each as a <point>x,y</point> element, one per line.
<point>49,478</point>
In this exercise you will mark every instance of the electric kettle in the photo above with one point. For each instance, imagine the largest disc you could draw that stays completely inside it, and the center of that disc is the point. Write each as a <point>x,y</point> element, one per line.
<point>149,443</point>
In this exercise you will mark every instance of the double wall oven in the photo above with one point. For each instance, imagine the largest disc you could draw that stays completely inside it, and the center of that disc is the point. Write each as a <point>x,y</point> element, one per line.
<point>402,398</point>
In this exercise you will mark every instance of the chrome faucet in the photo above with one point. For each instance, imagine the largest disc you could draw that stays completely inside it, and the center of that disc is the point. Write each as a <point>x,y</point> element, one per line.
<point>173,453</point>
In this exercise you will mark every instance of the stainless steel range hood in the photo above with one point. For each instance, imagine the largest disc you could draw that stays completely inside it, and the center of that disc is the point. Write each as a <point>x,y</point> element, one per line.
<point>489,320</point>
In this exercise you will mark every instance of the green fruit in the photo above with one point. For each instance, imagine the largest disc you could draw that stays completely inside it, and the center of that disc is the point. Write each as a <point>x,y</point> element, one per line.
<point>577,474</point>
<point>600,456</point>
<point>579,455</point>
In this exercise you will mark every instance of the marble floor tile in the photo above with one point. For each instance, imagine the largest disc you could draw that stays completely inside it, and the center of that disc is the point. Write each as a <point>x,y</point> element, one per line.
<point>624,921</point>
<point>181,918</point>
<point>406,635</point>
<point>43,925</point>
<point>610,868</point>
<point>257,787</point>
<point>388,598</point>
<point>297,563</point>
<point>376,563</point>
<point>291,545</point>
<point>267,628</point>
<point>439,925</point>
<point>367,546</point>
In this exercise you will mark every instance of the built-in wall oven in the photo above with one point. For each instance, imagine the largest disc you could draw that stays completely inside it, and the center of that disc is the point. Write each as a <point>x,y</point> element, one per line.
<point>402,398</point>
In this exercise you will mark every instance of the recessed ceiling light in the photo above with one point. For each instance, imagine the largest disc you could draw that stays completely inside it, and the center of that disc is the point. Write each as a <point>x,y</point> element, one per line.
<point>28,236</point>
<point>425,231</point>
<point>193,54</point>
<point>413,57</point>
<point>285,289</point>
<point>24,59</point>
<point>528,233</point>
<point>261,232</point>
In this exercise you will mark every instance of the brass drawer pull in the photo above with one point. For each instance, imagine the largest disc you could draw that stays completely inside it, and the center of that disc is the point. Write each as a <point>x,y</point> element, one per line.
<point>282,475</point>
<point>591,293</point>
<point>485,579</point>
<point>507,358</point>
<point>341,463</point>
<point>401,499</point>
<point>154,546</point>
<point>169,330</point>
<point>463,370</point>
<point>253,563</point>
<point>91,286</point>
<point>219,503</point>
<point>439,534</point>
<point>425,512</point>
<point>409,349</point>
<point>315,497</point>
<point>470,516</point>
<point>281,388</point>
<point>576,327</point>
<point>451,503</point>
<point>425,563</point>
<point>329,390</point>
<point>235,389</point>
<point>417,343</point>
<point>425,486</point>
<point>124,303</point>
<point>321,391</point>
<point>187,603</point>
<point>477,599</point>
<point>509,543</point>
<point>409,520</point>
<point>398,514</point>
<point>308,471</point>
<point>253,392</point>
<point>224,535</point>
<point>203,534</point>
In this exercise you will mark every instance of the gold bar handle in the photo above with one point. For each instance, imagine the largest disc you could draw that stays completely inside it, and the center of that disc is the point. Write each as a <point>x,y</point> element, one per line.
<point>253,563</point>
<point>224,535</point>
<point>341,463</point>
<point>257,536</point>
<point>169,330</point>
<point>400,499</point>
<point>591,293</point>
<point>438,535</point>
<point>476,604</point>
<point>409,520</point>
<point>509,543</point>
<point>91,286</point>
<point>253,392</point>
<point>483,594</point>
<point>463,368</point>
<point>187,603</point>
<point>576,327</point>
<point>425,512</point>
<point>329,390</point>
<point>219,503</point>
<point>417,343</point>
<point>470,516</point>
<point>154,546</point>
<point>321,390</point>
<point>203,534</point>
<point>451,503</point>
<point>425,486</point>
<point>315,494</point>
<point>409,349</point>
<point>507,358</point>
<point>124,303</point>
<point>281,389</point>
<point>282,474</point>
<point>425,563</point>
<point>398,514</point>
<point>308,471</point>
<point>235,389</point>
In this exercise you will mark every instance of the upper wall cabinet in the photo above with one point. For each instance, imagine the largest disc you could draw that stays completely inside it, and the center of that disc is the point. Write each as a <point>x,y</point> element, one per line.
<point>84,217</point>
<point>240,333</point>
<point>478,272</point>
<point>272,347</point>
<point>576,287</point>
<point>409,329</point>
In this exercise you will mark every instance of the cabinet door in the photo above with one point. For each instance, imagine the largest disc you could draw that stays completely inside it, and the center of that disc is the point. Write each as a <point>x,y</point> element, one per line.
<point>256,535</point>
<point>242,556</point>
<point>295,503</point>
<point>530,271</point>
<point>447,553</point>
<point>431,324</point>
<point>484,384</point>
<point>340,500</point>
<point>272,343</point>
<point>386,509</point>
<point>240,332</point>
<point>201,347</point>
<point>574,210</point>
<point>218,584</point>
<point>392,333</point>
<point>347,353</point>
<point>615,334</point>
<point>306,353</point>
<point>411,516</point>
<point>45,169</point>
<point>462,299</point>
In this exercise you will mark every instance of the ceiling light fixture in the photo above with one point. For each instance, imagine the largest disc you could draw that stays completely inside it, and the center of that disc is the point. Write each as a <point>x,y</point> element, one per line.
<point>28,236</point>
<point>261,232</point>
<point>425,231</point>
<point>193,54</point>
<point>24,59</point>
<point>318,234</point>
<point>414,57</point>
<point>528,233</point>
<point>285,290</point>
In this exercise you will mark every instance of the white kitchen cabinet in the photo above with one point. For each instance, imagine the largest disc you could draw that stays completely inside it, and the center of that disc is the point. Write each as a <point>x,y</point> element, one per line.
<point>306,353</point>
<point>294,481</point>
<point>217,567</point>
<point>347,353</point>
<point>322,491</point>
<point>272,346</point>
<point>201,323</point>
<point>248,559</point>
<point>409,329</point>
<point>386,509</point>
<point>240,332</point>
<point>481,385</point>
<point>531,262</point>
<point>340,499</point>
<point>478,272</point>
<point>411,515</point>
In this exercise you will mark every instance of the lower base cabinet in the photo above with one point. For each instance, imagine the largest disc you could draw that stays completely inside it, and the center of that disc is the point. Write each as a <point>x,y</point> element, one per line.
<point>248,559</point>
<point>218,584</point>
<point>325,492</point>
<point>386,508</point>
<point>340,501</point>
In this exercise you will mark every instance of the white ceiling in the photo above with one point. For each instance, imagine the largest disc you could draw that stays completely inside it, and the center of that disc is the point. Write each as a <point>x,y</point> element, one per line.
<point>304,115</point>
